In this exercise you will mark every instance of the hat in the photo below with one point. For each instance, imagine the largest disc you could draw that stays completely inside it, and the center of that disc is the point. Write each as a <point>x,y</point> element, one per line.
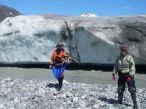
<point>124,47</point>
<point>59,45</point>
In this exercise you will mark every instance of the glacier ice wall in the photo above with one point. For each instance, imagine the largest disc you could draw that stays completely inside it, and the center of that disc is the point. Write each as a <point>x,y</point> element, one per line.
<point>90,40</point>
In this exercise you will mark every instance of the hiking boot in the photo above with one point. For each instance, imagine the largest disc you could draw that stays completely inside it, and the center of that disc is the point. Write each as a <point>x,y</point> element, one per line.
<point>133,96</point>
<point>60,80</point>
<point>120,98</point>
<point>120,101</point>
<point>135,107</point>
<point>59,87</point>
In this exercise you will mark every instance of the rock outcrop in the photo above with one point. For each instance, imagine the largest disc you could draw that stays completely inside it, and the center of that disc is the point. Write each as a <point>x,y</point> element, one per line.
<point>6,11</point>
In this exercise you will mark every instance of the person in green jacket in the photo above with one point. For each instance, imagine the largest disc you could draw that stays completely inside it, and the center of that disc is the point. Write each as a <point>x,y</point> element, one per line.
<point>125,68</point>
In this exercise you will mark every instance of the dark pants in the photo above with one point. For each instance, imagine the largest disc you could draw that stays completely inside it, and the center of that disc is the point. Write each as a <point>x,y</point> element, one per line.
<point>122,81</point>
<point>60,80</point>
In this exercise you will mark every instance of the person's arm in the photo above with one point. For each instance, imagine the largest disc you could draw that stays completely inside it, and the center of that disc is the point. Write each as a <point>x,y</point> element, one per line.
<point>68,57</point>
<point>73,59</point>
<point>115,69</point>
<point>132,67</point>
<point>51,61</point>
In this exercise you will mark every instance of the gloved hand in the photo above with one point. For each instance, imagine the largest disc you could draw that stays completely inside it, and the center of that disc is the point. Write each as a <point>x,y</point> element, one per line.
<point>129,78</point>
<point>113,77</point>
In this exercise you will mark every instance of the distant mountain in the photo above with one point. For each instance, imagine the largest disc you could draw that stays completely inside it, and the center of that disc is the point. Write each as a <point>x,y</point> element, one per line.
<point>86,14</point>
<point>6,11</point>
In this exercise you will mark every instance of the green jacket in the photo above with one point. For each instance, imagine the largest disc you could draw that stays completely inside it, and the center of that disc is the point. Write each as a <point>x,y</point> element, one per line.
<point>124,65</point>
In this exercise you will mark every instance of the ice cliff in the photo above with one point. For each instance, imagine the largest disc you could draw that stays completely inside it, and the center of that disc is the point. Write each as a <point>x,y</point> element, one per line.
<point>89,39</point>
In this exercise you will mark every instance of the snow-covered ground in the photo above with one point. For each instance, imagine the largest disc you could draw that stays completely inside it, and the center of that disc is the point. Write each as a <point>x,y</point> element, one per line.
<point>87,14</point>
<point>33,94</point>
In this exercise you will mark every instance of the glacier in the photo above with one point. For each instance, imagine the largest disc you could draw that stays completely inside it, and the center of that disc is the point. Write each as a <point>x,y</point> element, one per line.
<point>88,39</point>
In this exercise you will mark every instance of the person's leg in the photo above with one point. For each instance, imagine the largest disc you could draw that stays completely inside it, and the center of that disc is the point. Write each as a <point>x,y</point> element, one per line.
<point>62,72</point>
<point>132,90</point>
<point>61,76</point>
<point>55,71</point>
<point>61,79</point>
<point>121,89</point>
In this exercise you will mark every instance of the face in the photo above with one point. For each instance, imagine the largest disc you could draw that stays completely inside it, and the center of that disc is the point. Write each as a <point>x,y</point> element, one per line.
<point>59,47</point>
<point>124,52</point>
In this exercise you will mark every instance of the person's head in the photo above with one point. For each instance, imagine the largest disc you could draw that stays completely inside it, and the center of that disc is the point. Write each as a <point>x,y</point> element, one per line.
<point>124,50</point>
<point>59,46</point>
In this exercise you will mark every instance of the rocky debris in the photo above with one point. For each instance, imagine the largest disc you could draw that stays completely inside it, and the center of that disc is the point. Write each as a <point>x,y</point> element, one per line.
<point>30,94</point>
